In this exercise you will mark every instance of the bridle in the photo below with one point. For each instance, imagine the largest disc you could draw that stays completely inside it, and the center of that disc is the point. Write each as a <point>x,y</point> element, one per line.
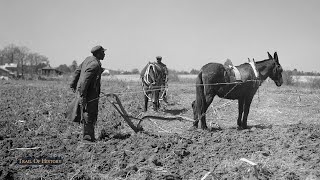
<point>276,72</point>
<point>153,82</point>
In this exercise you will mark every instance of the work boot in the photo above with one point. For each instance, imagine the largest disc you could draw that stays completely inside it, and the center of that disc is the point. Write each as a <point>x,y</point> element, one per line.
<point>87,139</point>
<point>88,132</point>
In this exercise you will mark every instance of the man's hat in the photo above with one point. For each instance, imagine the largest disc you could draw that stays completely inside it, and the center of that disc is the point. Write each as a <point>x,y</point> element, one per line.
<point>97,48</point>
<point>158,57</point>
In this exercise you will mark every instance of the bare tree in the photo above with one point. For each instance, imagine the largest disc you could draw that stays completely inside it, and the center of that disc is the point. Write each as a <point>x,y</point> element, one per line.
<point>135,71</point>
<point>34,60</point>
<point>64,68</point>
<point>15,54</point>
<point>73,66</point>
<point>7,54</point>
<point>1,58</point>
<point>26,61</point>
<point>194,71</point>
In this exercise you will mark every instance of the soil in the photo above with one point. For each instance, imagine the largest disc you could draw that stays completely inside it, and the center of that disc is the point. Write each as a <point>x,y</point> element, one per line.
<point>283,139</point>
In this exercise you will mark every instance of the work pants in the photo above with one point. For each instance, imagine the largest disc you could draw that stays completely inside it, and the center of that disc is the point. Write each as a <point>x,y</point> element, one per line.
<point>90,120</point>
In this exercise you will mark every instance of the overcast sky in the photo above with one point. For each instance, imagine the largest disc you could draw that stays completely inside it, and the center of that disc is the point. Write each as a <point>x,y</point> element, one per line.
<point>186,33</point>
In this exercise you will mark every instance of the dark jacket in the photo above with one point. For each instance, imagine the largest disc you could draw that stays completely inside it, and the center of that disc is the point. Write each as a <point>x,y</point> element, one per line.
<point>163,67</point>
<point>73,110</point>
<point>87,82</point>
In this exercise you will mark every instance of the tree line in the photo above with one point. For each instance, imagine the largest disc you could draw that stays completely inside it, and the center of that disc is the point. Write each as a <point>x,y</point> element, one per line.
<point>295,72</point>
<point>28,62</point>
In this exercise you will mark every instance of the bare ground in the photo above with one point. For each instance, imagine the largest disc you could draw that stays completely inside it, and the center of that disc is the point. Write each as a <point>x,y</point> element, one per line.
<point>283,139</point>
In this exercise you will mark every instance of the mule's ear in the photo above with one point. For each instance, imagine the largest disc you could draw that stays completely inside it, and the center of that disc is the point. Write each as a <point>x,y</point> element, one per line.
<point>270,57</point>
<point>249,60</point>
<point>276,57</point>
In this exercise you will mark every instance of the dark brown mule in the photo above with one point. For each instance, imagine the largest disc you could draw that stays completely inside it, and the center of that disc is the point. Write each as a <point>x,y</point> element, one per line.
<point>152,79</point>
<point>214,79</point>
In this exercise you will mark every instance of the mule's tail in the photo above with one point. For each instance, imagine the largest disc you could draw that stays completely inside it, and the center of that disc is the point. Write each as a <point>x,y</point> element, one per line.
<point>200,98</point>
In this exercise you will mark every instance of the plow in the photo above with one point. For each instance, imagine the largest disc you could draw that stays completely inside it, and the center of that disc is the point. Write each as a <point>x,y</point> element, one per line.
<point>114,100</point>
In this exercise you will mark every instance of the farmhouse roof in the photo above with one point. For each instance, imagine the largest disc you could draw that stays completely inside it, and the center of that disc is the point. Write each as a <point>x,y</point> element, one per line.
<point>7,65</point>
<point>10,65</point>
<point>51,69</point>
<point>48,67</point>
<point>6,70</point>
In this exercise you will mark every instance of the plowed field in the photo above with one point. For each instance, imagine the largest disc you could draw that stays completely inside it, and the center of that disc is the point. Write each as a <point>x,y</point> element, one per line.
<point>283,139</point>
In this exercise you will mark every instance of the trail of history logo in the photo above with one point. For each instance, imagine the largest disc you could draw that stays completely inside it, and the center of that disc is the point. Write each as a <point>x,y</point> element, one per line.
<point>40,161</point>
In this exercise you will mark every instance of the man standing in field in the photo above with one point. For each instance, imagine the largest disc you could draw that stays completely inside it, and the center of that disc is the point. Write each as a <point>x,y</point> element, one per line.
<point>87,83</point>
<point>165,80</point>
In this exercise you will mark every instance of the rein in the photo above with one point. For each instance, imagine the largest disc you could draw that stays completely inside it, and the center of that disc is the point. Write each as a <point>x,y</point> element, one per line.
<point>148,83</point>
<point>146,75</point>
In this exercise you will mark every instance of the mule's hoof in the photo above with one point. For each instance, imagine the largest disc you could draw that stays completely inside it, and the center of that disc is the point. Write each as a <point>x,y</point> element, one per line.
<point>139,128</point>
<point>205,128</point>
<point>239,128</point>
<point>244,127</point>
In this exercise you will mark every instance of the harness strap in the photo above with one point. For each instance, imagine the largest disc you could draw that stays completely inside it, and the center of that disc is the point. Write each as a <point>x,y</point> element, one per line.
<point>253,65</point>
<point>144,91</point>
<point>146,74</point>
<point>236,73</point>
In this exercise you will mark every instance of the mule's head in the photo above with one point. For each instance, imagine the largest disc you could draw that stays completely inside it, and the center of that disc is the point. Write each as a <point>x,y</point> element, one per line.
<point>276,70</point>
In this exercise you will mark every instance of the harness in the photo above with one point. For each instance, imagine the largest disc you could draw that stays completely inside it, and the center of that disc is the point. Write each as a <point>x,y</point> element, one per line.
<point>237,73</point>
<point>146,74</point>
<point>147,81</point>
<point>253,66</point>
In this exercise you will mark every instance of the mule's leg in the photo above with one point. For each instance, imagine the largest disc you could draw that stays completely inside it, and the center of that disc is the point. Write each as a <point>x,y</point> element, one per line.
<point>156,106</point>
<point>155,100</point>
<point>146,99</point>
<point>209,99</point>
<point>195,114</point>
<point>240,109</point>
<point>200,103</point>
<point>247,103</point>
<point>201,115</point>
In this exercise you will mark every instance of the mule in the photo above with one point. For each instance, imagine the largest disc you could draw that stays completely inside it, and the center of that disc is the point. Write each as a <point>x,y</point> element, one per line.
<point>152,76</point>
<point>216,79</point>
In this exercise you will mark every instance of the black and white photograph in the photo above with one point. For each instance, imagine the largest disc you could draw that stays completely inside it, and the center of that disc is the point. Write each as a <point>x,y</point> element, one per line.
<point>159,89</point>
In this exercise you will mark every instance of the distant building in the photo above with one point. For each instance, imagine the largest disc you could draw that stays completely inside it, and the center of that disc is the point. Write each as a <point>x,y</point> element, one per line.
<point>49,71</point>
<point>6,72</point>
<point>9,70</point>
